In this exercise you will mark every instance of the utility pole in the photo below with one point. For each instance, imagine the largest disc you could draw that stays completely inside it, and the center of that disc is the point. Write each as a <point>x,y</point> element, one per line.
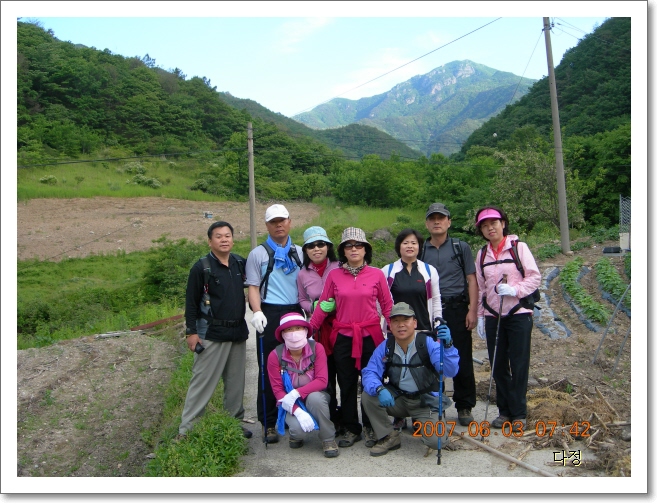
<point>557,137</point>
<point>252,185</point>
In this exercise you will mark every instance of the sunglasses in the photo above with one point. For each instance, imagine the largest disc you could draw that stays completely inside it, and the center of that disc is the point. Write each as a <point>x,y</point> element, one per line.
<point>358,246</point>
<point>318,244</point>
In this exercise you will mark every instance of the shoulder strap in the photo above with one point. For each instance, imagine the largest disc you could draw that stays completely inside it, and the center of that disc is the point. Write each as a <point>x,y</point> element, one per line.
<point>205,262</point>
<point>427,268</point>
<point>457,249</point>
<point>390,267</point>
<point>423,352</point>
<point>268,271</point>
<point>515,256</point>
<point>284,367</point>
<point>292,253</point>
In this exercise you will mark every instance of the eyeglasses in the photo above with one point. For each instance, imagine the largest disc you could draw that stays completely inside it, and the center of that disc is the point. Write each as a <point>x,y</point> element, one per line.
<point>318,244</point>
<point>358,246</point>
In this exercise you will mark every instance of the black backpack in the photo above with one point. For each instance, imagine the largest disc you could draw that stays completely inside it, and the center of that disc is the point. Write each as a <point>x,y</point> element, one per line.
<point>527,302</point>
<point>292,253</point>
<point>421,349</point>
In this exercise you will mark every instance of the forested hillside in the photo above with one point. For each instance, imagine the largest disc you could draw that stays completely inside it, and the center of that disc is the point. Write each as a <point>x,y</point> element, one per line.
<point>79,103</point>
<point>355,141</point>
<point>593,83</point>
<point>434,112</point>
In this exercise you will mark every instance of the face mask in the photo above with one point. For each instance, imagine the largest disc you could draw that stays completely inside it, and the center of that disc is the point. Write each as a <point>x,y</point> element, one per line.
<point>295,340</point>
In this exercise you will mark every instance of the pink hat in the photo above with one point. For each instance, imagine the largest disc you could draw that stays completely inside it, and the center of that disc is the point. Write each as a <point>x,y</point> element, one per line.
<point>488,213</point>
<point>290,320</point>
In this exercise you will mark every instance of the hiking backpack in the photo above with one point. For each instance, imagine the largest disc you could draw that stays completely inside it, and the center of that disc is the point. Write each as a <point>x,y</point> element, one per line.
<point>527,302</point>
<point>292,253</point>
<point>205,298</point>
<point>421,350</point>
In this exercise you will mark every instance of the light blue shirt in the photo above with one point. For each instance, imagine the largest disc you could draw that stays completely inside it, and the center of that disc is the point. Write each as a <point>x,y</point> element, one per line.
<point>281,288</point>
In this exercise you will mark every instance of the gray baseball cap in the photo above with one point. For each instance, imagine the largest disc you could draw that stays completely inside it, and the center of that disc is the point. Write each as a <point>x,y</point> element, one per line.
<point>402,309</point>
<point>437,208</point>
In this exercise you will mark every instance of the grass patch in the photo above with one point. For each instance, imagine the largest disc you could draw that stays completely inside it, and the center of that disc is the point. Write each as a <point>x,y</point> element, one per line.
<point>212,448</point>
<point>548,251</point>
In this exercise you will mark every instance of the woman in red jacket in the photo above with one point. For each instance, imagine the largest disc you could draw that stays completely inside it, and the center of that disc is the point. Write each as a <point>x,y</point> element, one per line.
<point>499,279</point>
<point>357,289</point>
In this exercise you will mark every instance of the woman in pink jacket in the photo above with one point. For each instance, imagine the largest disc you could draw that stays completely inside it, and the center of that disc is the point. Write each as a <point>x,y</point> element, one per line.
<point>499,278</point>
<point>306,367</point>
<point>356,288</point>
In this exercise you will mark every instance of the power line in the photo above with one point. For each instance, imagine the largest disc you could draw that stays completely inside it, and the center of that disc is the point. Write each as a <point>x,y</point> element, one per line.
<point>401,66</point>
<point>526,67</point>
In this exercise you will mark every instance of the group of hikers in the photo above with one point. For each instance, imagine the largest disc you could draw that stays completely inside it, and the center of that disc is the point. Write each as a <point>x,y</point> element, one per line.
<point>331,326</point>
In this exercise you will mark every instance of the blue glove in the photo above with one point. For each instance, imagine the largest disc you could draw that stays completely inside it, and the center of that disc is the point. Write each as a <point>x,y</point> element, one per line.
<point>385,398</point>
<point>443,333</point>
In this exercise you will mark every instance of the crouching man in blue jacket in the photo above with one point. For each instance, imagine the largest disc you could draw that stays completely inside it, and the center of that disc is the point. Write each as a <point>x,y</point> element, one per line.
<point>411,363</point>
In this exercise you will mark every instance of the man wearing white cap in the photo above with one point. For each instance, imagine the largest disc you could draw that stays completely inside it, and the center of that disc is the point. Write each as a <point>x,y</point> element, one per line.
<point>272,270</point>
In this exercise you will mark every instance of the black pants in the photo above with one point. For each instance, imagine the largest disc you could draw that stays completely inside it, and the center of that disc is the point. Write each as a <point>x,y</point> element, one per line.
<point>512,362</point>
<point>454,314</point>
<point>334,410</point>
<point>348,380</point>
<point>273,313</point>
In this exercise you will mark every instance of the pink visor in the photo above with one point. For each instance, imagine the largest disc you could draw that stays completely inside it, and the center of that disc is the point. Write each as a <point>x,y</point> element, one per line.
<point>488,213</point>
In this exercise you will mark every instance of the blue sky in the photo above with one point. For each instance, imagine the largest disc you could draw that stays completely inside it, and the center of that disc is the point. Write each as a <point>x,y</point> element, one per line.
<point>290,58</point>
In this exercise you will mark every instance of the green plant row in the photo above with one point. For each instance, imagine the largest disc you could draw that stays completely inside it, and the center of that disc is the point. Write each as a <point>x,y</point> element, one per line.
<point>627,265</point>
<point>611,281</point>
<point>569,281</point>
<point>212,448</point>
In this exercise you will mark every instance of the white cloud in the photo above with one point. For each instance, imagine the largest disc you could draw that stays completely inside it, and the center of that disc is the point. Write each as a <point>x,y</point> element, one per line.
<point>293,33</point>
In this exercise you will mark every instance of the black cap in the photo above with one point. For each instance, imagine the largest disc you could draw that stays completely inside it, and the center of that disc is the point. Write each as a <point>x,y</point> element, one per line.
<point>437,208</point>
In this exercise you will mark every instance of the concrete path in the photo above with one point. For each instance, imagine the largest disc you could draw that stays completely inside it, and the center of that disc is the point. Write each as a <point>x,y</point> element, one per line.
<point>279,460</point>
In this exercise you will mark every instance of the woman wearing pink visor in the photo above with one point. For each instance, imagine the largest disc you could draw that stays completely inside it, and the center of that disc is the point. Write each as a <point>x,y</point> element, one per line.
<point>298,374</point>
<point>504,288</point>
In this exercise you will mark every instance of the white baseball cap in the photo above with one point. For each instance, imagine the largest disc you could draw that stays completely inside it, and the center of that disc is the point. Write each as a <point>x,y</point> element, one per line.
<point>276,211</point>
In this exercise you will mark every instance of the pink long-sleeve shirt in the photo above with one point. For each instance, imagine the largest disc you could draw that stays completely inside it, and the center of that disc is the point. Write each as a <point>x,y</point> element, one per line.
<point>314,380</point>
<point>494,273</point>
<point>356,306</point>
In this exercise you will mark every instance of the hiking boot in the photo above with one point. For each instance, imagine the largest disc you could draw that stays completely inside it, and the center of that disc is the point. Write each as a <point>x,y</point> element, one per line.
<point>272,436</point>
<point>348,439</point>
<point>386,444</point>
<point>518,425</point>
<point>464,416</point>
<point>399,424</point>
<point>295,443</point>
<point>498,422</point>
<point>369,434</point>
<point>330,448</point>
<point>246,433</point>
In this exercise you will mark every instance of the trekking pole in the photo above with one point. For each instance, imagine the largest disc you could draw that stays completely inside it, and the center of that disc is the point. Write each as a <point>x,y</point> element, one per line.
<point>493,363</point>
<point>438,456</point>
<point>262,384</point>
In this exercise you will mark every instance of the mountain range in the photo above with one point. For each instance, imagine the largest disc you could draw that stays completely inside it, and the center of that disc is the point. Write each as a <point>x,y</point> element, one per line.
<point>434,112</point>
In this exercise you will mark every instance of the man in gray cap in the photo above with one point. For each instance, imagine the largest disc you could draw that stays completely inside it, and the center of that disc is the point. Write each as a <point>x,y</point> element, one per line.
<point>459,295</point>
<point>411,361</point>
<point>272,269</point>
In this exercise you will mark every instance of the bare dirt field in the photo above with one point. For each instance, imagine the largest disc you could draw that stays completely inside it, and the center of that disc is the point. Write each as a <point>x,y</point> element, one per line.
<point>55,229</point>
<point>84,405</point>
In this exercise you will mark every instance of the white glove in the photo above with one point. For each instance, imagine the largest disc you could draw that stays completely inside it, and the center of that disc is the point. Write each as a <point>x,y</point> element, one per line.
<point>259,321</point>
<point>289,400</point>
<point>505,290</point>
<point>305,420</point>
<point>481,332</point>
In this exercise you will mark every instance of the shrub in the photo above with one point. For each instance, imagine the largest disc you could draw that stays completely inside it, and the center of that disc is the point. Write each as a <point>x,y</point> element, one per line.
<point>48,179</point>
<point>144,181</point>
<point>579,245</point>
<point>548,251</point>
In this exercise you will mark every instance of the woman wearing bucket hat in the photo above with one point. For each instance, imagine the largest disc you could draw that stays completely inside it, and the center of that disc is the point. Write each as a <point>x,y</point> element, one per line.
<point>319,259</point>
<point>502,319</point>
<point>298,376</point>
<point>357,289</point>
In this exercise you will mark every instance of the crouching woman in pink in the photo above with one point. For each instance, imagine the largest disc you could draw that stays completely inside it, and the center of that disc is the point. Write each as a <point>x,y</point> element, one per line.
<point>504,311</point>
<point>297,369</point>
